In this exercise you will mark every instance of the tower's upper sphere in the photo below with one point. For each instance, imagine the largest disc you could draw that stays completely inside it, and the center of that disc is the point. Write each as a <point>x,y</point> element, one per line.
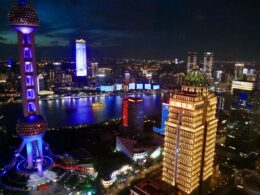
<point>23,16</point>
<point>196,78</point>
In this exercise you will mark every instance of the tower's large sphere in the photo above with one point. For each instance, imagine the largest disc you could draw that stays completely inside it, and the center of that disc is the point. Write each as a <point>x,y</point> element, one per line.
<point>23,16</point>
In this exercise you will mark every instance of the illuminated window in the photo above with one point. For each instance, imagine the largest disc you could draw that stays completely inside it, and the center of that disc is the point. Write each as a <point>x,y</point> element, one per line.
<point>31,107</point>
<point>27,53</point>
<point>26,40</point>
<point>29,81</point>
<point>28,67</point>
<point>30,94</point>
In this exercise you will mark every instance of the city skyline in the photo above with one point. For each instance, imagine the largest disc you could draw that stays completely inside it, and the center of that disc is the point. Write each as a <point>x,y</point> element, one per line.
<point>141,29</point>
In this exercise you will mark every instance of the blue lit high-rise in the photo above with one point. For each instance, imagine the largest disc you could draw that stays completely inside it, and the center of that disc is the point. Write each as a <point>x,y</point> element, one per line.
<point>81,58</point>
<point>31,128</point>
<point>165,116</point>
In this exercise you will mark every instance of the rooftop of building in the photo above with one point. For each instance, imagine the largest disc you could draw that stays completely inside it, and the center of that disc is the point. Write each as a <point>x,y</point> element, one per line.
<point>148,187</point>
<point>196,78</point>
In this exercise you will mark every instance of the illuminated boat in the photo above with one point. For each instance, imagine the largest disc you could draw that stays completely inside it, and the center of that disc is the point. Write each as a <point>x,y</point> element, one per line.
<point>97,104</point>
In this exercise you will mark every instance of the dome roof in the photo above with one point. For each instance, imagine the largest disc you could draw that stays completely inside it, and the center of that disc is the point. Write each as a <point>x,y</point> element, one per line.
<point>196,78</point>
<point>23,15</point>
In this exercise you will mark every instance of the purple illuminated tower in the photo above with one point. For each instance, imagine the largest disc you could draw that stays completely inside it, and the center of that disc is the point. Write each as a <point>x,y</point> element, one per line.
<point>33,155</point>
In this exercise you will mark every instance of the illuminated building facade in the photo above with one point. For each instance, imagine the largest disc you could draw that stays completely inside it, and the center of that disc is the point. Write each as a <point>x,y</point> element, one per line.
<point>81,58</point>
<point>208,64</point>
<point>238,71</point>
<point>165,117</point>
<point>133,114</point>
<point>242,94</point>
<point>190,136</point>
<point>31,128</point>
<point>125,112</point>
<point>192,61</point>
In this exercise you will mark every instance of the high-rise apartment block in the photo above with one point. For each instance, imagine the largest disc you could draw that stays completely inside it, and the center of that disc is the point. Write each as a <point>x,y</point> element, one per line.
<point>238,71</point>
<point>192,61</point>
<point>190,136</point>
<point>208,64</point>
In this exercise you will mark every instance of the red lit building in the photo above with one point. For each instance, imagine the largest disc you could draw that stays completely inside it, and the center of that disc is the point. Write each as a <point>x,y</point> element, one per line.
<point>125,112</point>
<point>133,113</point>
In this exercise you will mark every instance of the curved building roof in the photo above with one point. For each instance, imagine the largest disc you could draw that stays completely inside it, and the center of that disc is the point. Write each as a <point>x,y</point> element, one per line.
<point>196,78</point>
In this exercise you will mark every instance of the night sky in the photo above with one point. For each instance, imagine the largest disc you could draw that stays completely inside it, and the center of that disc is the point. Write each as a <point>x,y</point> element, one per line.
<point>157,29</point>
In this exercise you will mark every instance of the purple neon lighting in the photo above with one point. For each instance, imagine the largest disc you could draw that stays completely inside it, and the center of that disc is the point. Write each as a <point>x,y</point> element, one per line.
<point>28,67</point>
<point>24,29</point>
<point>27,53</point>
<point>30,94</point>
<point>29,81</point>
<point>81,59</point>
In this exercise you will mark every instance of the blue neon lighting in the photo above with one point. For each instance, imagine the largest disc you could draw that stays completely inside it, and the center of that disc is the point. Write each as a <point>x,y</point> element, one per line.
<point>81,59</point>
<point>31,107</point>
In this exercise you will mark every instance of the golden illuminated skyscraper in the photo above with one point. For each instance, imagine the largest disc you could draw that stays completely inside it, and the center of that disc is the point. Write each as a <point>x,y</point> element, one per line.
<point>190,136</point>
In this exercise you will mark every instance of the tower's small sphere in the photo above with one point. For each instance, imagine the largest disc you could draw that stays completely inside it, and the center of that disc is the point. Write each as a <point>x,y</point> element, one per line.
<point>31,125</point>
<point>23,16</point>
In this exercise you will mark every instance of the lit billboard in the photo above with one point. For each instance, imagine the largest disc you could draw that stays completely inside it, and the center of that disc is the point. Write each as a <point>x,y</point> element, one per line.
<point>147,86</point>
<point>156,87</point>
<point>107,88</point>
<point>131,86</point>
<point>119,87</point>
<point>139,86</point>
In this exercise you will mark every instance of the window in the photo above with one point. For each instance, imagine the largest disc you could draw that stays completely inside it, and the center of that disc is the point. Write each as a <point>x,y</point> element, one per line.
<point>26,40</point>
<point>31,107</point>
<point>30,94</point>
<point>28,67</point>
<point>27,53</point>
<point>29,81</point>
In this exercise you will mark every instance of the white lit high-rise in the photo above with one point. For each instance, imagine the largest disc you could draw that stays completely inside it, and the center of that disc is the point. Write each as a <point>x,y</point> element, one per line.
<point>81,58</point>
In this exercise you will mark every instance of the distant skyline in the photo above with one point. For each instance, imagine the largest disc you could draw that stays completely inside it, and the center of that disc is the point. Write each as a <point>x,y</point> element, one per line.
<point>156,29</point>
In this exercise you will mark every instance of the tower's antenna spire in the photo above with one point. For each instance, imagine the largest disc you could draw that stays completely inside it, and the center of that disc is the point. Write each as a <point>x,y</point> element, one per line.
<point>22,2</point>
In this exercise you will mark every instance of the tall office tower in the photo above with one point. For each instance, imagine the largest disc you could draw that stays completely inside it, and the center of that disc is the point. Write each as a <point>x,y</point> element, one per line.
<point>40,82</point>
<point>208,64</point>
<point>133,114</point>
<point>31,128</point>
<point>238,71</point>
<point>242,92</point>
<point>81,58</point>
<point>190,134</point>
<point>165,117</point>
<point>192,61</point>
<point>94,69</point>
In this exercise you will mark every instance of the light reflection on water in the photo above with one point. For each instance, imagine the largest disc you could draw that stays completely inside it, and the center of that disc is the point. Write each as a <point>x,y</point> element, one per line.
<point>67,112</point>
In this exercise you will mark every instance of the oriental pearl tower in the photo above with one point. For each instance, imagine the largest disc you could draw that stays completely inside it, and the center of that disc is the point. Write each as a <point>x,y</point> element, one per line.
<point>34,154</point>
